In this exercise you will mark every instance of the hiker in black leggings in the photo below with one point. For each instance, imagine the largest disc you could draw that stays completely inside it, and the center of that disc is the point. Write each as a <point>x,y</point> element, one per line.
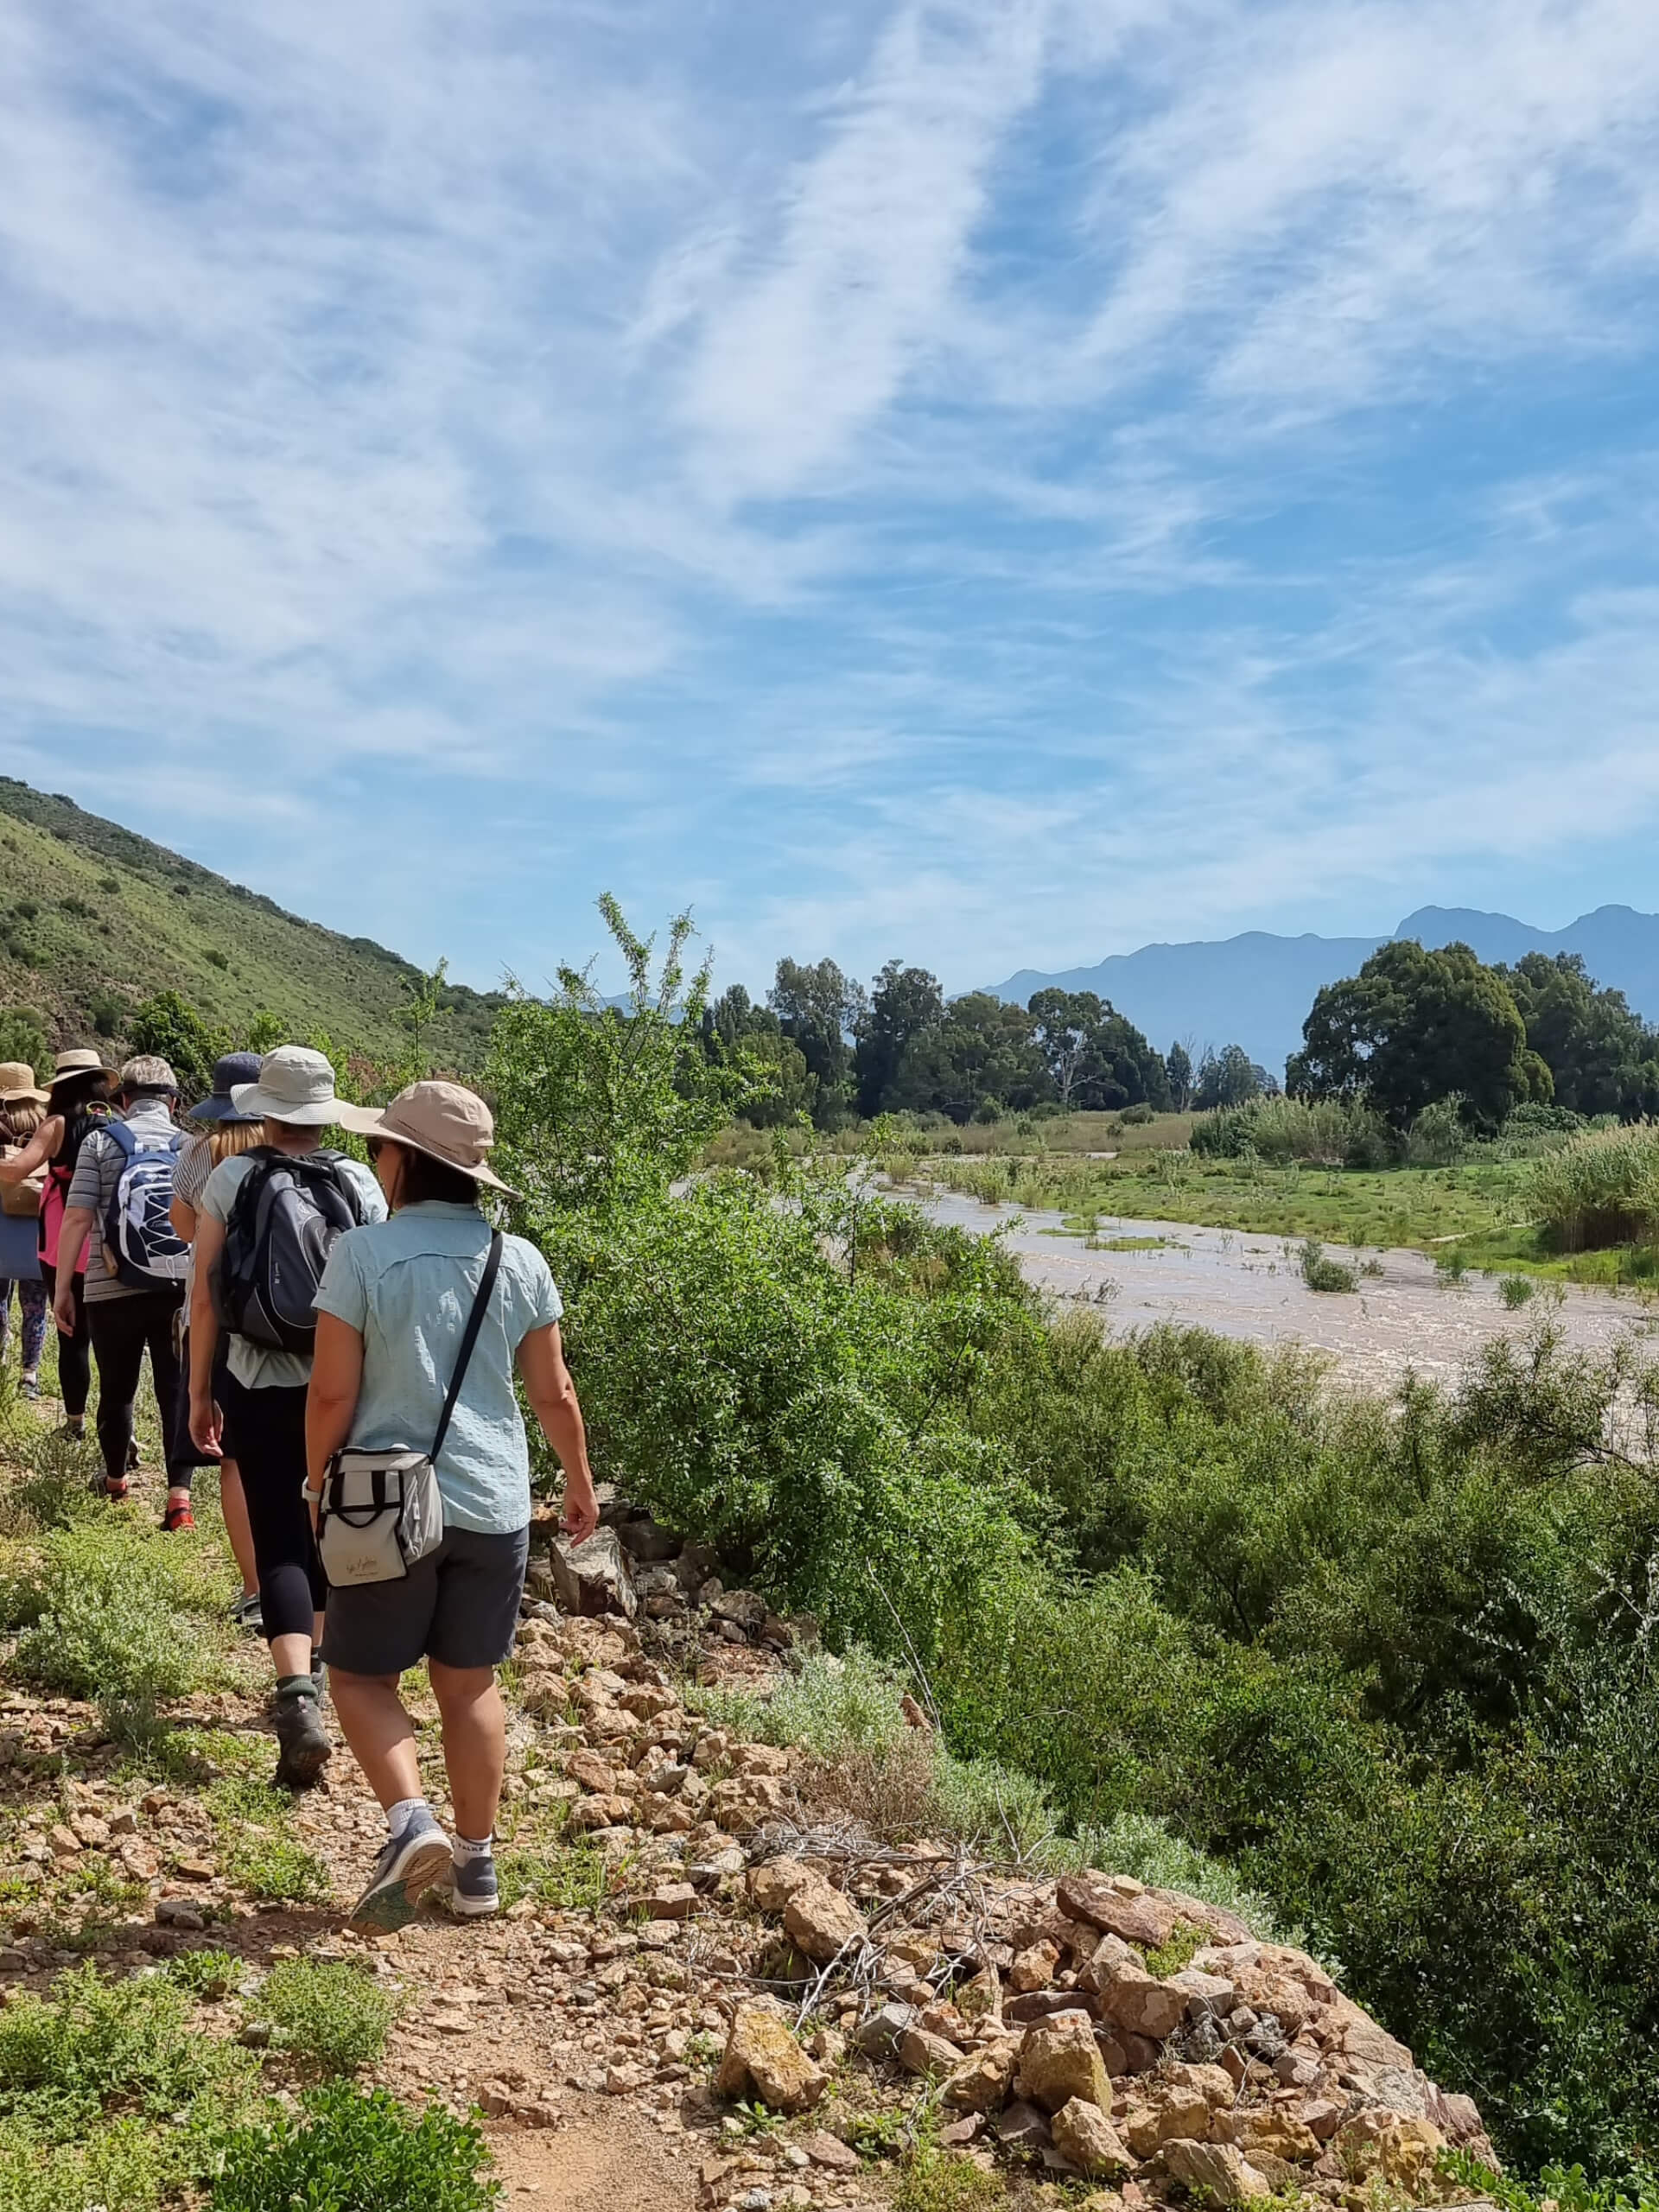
<point>259,1398</point>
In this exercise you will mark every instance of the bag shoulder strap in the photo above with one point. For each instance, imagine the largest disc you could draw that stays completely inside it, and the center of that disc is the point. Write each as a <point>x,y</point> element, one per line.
<point>475,1323</point>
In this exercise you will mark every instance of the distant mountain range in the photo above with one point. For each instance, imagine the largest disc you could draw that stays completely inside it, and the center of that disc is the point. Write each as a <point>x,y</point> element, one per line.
<point>1255,989</point>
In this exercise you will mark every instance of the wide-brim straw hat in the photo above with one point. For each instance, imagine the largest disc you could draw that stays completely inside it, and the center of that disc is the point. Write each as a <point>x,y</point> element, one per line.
<point>17,1081</point>
<point>445,1120</point>
<point>294,1084</point>
<point>82,1059</point>
<point>230,1072</point>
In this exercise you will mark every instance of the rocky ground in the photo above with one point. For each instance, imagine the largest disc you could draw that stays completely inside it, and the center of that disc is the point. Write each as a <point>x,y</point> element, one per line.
<point>710,1987</point>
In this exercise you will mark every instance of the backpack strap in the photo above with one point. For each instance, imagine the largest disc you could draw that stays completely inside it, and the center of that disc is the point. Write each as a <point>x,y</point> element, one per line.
<point>475,1323</point>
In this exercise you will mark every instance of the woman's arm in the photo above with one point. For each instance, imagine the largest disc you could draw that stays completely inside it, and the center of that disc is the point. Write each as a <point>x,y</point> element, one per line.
<point>553,1398</point>
<point>336,1380</point>
<point>206,1421</point>
<point>41,1148</point>
<point>183,1218</point>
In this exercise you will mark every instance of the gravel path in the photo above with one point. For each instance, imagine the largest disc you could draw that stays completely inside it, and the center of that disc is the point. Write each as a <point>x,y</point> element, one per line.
<point>1248,1286</point>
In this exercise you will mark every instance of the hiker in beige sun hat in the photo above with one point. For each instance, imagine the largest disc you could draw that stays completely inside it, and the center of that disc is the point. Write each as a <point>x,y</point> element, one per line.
<point>17,1083</point>
<point>83,1059</point>
<point>295,1085</point>
<point>445,1120</point>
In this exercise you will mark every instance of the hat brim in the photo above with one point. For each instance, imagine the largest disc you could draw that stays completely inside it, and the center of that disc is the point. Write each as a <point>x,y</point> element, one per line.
<point>251,1104</point>
<point>34,1097</point>
<point>370,1122</point>
<point>102,1068</point>
<point>218,1108</point>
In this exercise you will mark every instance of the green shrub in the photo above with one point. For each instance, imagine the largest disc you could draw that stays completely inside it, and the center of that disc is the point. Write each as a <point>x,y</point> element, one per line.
<point>1516,1291</point>
<point>326,2013</point>
<point>1324,1133</point>
<point>125,2164</point>
<point>1321,1274</point>
<point>279,1870</point>
<point>112,1614</point>
<point>92,2044</point>
<point>351,2152</point>
<point>1438,1137</point>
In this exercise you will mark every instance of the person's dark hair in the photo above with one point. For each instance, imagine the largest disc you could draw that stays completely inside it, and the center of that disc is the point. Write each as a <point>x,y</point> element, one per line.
<point>71,1093</point>
<point>425,1179</point>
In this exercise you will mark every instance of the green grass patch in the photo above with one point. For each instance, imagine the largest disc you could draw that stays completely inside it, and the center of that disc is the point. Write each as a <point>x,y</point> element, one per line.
<point>568,1878</point>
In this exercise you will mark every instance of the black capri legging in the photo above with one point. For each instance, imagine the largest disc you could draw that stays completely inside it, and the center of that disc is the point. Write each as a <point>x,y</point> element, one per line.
<point>74,1353</point>
<point>269,1428</point>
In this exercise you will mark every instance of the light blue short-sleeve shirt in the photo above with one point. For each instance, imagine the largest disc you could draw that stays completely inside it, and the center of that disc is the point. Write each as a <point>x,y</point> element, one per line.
<point>407,1286</point>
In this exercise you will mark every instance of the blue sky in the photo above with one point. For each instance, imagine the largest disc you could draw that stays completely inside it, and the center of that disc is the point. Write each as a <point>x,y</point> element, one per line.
<point>993,482</point>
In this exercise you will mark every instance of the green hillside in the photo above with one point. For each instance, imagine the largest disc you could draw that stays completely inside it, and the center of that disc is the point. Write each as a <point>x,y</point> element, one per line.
<point>94,920</point>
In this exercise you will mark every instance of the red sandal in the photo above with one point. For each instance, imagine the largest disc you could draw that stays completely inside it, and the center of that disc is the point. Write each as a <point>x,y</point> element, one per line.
<point>178,1517</point>
<point>115,1487</point>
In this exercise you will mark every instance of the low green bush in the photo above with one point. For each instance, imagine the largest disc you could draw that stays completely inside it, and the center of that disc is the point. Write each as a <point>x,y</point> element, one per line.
<point>94,2046</point>
<point>1322,1274</point>
<point>109,1613</point>
<point>326,2013</point>
<point>1323,1133</point>
<point>347,2152</point>
<point>279,1870</point>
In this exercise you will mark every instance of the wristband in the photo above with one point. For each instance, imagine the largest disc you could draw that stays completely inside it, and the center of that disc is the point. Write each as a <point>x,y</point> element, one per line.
<point>311,1497</point>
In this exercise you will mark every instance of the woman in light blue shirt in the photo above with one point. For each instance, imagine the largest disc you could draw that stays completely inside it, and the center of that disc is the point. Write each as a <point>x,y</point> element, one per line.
<point>392,1309</point>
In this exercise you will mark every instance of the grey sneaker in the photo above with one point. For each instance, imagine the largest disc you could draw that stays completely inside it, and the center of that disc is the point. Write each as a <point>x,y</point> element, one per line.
<point>247,1612</point>
<point>302,1741</point>
<point>407,1864</point>
<point>473,1889</point>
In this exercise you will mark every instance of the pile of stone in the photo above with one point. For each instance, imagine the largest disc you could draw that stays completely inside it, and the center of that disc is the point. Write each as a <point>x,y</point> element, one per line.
<point>1242,2072</point>
<point>632,1567</point>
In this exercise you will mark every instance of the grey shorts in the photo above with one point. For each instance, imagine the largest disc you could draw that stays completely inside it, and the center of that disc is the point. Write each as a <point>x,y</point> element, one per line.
<point>459,1605</point>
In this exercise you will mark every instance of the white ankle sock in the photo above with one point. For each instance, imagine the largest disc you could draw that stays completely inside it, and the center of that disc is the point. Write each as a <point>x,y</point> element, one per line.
<point>465,1849</point>
<point>399,1815</point>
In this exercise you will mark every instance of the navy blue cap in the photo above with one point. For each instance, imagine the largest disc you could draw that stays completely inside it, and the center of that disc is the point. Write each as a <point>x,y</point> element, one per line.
<point>234,1068</point>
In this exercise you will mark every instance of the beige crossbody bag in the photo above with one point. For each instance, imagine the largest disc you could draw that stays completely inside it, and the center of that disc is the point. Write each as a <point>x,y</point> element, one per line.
<point>381,1511</point>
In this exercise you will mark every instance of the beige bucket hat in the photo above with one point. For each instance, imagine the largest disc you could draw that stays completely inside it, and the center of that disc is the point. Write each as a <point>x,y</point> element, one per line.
<point>82,1059</point>
<point>295,1085</point>
<point>17,1081</point>
<point>443,1119</point>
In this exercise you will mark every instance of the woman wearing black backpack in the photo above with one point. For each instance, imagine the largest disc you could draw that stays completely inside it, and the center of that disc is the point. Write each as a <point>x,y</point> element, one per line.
<point>264,1378</point>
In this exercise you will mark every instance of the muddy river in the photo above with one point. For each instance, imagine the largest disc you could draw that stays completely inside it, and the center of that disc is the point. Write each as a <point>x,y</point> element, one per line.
<point>1243,1284</point>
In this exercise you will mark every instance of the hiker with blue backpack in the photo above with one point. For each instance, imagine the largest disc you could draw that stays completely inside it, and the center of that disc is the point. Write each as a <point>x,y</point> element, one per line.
<point>116,1212</point>
<point>266,1221</point>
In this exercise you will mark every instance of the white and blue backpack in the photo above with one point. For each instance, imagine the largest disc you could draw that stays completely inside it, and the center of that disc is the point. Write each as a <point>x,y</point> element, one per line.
<point>138,1232</point>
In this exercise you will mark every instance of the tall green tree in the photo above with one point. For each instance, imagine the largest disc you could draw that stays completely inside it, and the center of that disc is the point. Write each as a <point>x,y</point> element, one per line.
<point>980,1050</point>
<point>905,1003</point>
<point>1414,1026</point>
<point>1096,1059</point>
<point>1178,1063</point>
<point>1602,1057</point>
<point>169,1025</point>
<point>1227,1078</point>
<point>737,1033</point>
<point>820,1010</point>
<point>600,1106</point>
